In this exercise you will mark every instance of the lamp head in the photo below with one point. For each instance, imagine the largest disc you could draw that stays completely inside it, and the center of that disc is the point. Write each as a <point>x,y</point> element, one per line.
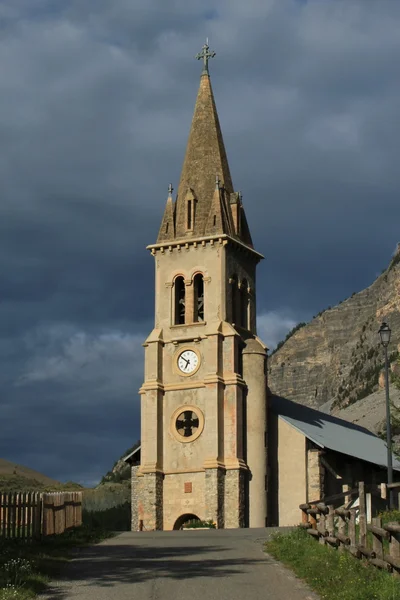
<point>384,332</point>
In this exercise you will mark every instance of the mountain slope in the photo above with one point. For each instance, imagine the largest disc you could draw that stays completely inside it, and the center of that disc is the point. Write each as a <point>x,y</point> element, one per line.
<point>18,478</point>
<point>337,357</point>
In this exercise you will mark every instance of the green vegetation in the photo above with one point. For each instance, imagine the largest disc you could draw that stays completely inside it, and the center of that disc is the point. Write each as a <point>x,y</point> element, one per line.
<point>198,523</point>
<point>395,260</point>
<point>27,568</point>
<point>333,575</point>
<point>289,335</point>
<point>120,471</point>
<point>18,478</point>
<point>19,483</point>
<point>108,507</point>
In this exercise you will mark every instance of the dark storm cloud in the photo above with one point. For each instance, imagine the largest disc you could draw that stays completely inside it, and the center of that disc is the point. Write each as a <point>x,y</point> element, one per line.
<point>95,107</point>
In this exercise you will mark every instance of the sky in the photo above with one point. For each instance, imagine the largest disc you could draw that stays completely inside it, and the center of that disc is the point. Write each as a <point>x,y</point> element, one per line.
<point>96,101</point>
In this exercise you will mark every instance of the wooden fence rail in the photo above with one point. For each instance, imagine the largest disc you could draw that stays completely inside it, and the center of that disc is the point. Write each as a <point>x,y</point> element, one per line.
<point>337,527</point>
<point>29,515</point>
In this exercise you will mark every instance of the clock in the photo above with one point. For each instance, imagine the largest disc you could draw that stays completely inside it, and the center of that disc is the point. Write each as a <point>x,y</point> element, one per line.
<point>188,362</point>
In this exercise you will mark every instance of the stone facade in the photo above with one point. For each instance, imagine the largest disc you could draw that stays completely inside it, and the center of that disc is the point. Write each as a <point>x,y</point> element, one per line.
<point>150,504</point>
<point>134,498</point>
<point>199,440</point>
<point>214,496</point>
<point>315,475</point>
<point>234,498</point>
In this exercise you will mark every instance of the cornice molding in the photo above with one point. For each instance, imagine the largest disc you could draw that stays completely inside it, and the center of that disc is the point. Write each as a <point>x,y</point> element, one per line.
<point>221,240</point>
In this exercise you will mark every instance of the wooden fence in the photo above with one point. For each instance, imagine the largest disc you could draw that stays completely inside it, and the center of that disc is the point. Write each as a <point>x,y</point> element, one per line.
<point>346,528</point>
<point>28,515</point>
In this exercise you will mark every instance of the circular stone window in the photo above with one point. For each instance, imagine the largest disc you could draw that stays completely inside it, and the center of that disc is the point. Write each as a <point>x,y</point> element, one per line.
<point>187,423</point>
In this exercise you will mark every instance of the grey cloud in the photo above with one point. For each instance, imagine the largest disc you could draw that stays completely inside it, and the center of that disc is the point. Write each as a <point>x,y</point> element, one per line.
<point>95,108</point>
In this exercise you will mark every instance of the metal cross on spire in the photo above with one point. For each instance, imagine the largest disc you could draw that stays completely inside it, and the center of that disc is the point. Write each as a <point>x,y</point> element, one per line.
<point>205,54</point>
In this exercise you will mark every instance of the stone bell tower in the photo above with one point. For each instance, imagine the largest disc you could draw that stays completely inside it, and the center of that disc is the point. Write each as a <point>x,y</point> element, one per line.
<point>204,396</point>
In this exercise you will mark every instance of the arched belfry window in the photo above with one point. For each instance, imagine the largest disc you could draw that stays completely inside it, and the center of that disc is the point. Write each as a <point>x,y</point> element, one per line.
<point>234,299</point>
<point>179,301</point>
<point>198,286</point>
<point>244,305</point>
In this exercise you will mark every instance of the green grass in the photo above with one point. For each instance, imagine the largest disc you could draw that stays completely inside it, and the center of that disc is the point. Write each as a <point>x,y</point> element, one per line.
<point>26,568</point>
<point>333,575</point>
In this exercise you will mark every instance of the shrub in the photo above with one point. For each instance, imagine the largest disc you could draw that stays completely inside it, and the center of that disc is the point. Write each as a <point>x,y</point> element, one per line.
<point>196,524</point>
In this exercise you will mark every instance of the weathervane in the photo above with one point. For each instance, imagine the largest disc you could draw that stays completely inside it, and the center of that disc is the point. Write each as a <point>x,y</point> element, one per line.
<point>205,54</point>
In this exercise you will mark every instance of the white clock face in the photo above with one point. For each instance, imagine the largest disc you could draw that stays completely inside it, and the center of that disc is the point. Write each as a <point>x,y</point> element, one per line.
<point>188,361</point>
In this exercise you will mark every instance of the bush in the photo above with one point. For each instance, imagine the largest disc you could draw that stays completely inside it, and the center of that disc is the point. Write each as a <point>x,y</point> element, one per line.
<point>196,524</point>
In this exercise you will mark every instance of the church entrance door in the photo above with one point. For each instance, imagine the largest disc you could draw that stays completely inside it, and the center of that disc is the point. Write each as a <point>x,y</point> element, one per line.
<point>184,519</point>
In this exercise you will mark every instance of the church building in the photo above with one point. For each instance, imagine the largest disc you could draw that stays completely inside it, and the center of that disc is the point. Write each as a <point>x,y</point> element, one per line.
<point>205,438</point>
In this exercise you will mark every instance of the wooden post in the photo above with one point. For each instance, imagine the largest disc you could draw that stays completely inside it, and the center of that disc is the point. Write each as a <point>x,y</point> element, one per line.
<point>342,529</point>
<point>352,527</point>
<point>330,521</point>
<point>322,529</point>
<point>377,542</point>
<point>384,494</point>
<point>362,519</point>
<point>14,499</point>
<point>29,514</point>
<point>394,551</point>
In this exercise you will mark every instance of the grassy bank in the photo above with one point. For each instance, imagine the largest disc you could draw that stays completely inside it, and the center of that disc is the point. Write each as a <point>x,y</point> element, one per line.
<point>108,506</point>
<point>27,568</point>
<point>332,574</point>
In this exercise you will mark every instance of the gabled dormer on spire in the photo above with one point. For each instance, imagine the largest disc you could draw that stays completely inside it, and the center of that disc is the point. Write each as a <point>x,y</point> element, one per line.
<point>167,229</point>
<point>203,208</point>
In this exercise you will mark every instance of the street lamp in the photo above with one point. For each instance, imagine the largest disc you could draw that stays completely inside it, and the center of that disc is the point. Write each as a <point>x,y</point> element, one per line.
<point>384,332</point>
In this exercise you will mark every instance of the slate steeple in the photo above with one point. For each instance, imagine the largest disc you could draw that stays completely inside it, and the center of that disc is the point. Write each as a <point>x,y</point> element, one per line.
<point>206,203</point>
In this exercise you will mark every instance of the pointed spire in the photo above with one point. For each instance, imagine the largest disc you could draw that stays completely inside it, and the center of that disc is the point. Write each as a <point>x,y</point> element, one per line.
<point>205,156</point>
<point>167,229</point>
<point>206,203</point>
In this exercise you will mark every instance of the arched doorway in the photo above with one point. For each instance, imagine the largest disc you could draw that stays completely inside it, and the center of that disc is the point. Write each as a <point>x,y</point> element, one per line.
<point>183,519</point>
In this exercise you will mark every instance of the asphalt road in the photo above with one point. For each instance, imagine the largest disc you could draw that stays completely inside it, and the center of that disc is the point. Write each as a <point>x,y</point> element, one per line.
<point>179,565</point>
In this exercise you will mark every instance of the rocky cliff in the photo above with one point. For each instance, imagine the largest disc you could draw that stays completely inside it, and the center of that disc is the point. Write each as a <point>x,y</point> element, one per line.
<point>337,357</point>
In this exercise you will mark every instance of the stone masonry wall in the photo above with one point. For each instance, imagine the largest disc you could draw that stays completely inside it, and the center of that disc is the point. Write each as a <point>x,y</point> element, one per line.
<point>214,496</point>
<point>151,501</point>
<point>134,498</point>
<point>234,498</point>
<point>315,475</point>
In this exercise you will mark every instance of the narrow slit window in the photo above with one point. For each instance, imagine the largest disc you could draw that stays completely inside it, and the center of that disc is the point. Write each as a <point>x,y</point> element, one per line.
<point>180,301</point>
<point>234,292</point>
<point>244,301</point>
<point>189,214</point>
<point>198,298</point>
<point>215,220</point>
<point>166,228</point>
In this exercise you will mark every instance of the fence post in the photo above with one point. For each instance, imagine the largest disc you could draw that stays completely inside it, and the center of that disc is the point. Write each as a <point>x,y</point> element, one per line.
<point>377,542</point>
<point>362,518</point>
<point>331,520</point>
<point>394,547</point>
<point>304,515</point>
<point>352,527</point>
<point>385,495</point>
<point>321,528</point>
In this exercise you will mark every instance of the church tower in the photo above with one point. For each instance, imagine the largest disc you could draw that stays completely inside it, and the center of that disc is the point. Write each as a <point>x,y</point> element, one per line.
<point>204,396</point>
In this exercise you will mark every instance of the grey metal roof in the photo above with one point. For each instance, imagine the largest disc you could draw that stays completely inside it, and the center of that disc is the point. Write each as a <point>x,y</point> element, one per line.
<point>128,457</point>
<point>331,432</point>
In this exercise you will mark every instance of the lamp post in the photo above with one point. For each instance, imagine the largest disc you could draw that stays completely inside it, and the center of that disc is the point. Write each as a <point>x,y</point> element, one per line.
<point>384,332</point>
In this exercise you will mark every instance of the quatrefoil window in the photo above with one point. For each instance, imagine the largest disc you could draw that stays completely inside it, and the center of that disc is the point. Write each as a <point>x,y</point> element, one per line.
<point>187,423</point>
